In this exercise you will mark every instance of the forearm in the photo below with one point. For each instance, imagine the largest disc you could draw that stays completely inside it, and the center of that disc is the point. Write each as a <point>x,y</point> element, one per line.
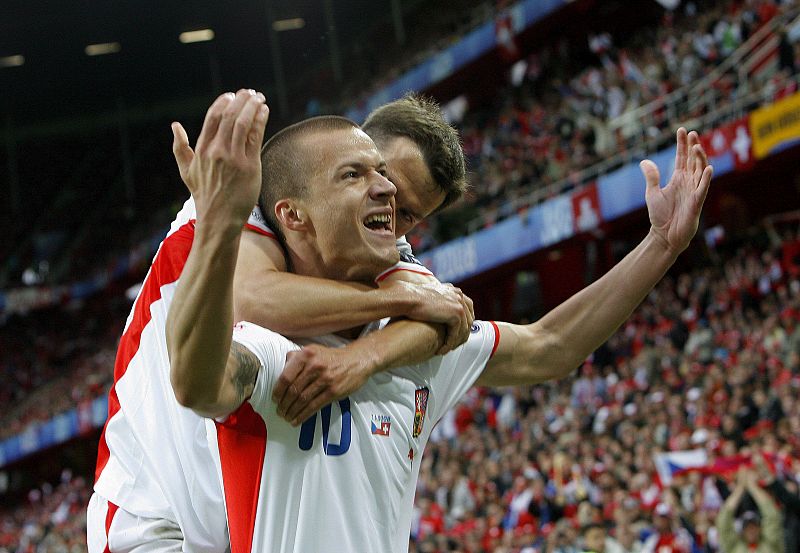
<point>559,342</point>
<point>301,306</point>
<point>770,516</point>
<point>725,527</point>
<point>200,319</point>
<point>590,317</point>
<point>400,344</point>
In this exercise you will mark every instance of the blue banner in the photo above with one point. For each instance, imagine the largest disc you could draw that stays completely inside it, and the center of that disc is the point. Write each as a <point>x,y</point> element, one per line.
<point>59,429</point>
<point>619,193</point>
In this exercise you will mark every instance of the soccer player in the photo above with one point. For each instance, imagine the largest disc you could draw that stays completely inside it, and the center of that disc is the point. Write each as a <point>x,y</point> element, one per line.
<point>345,479</point>
<point>155,482</point>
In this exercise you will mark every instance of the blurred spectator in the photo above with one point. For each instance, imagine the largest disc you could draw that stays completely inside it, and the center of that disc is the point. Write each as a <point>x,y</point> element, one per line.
<point>761,530</point>
<point>785,492</point>
<point>668,535</point>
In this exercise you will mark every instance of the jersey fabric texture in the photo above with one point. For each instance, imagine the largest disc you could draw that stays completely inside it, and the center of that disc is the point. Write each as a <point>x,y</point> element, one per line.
<point>153,458</point>
<point>345,479</point>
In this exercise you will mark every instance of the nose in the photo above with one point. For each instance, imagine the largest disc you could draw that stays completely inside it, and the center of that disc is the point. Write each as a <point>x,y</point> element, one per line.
<point>381,188</point>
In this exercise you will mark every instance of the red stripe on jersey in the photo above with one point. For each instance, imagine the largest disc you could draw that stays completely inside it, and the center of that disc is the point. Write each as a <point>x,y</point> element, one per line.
<point>166,268</point>
<point>496,338</point>
<point>396,269</point>
<point>242,441</point>
<point>260,230</point>
<point>112,510</point>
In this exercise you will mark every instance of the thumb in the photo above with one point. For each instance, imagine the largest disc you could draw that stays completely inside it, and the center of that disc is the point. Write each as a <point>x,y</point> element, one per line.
<point>651,175</point>
<point>180,149</point>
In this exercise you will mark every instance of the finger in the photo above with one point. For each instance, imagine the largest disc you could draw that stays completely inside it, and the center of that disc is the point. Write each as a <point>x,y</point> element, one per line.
<point>299,392</point>
<point>211,122</point>
<point>702,162</point>
<point>303,403</point>
<point>256,136</point>
<point>705,185</point>
<point>451,340</point>
<point>471,307</point>
<point>696,165</point>
<point>180,149</point>
<point>295,363</point>
<point>693,138</point>
<point>243,124</point>
<point>461,332</point>
<point>224,136</point>
<point>317,402</point>
<point>681,150</point>
<point>651,175</point>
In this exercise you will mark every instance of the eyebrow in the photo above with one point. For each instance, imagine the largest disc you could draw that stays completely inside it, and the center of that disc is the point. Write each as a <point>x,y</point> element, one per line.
<point>360,165</point>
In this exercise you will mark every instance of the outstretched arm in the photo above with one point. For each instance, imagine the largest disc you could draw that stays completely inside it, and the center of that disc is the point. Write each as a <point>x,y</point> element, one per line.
<point>207,373</point>
<point>559,342</point>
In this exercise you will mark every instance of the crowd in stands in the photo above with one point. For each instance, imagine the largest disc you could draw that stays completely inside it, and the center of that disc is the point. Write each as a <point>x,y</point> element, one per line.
<point>551,123</point>
<point>55,359</point>
<point>51,520</point>
<point>710,362</point>
<point>554,122</point>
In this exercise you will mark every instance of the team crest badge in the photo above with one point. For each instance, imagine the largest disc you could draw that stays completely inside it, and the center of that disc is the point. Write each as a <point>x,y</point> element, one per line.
<point>420,406</point>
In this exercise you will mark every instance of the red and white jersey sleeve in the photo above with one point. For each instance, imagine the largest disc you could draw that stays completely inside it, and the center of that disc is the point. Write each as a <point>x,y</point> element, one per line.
<point>153,460</point>
<point>344,480</point>
<point>255,221</point>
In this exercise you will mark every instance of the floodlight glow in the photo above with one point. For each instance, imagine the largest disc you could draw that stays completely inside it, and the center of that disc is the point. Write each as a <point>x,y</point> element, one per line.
<point>289,24</point>
<point>12,61</point>
<point>201,35</point>
<point>102,48</point>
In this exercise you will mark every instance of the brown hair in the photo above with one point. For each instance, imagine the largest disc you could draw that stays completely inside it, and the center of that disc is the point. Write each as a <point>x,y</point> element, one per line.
<point>286,163</point>
<point>419,119</point>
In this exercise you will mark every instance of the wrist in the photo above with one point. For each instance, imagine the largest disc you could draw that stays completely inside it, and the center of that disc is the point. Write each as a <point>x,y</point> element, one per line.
<point>658,241</point>
<point>371,357</point>
<point>218,229</point>
<point>397,299</point>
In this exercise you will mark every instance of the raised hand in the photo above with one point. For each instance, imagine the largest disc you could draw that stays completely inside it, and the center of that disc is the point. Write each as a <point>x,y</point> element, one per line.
<point>675,209</point>
<point>223,173</point>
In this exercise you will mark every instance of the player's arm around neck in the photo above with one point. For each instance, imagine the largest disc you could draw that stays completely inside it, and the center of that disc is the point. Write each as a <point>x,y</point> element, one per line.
<point>300,306</point>
<point>223,175</point>
<point>315,376</point>
<point>304,307</point>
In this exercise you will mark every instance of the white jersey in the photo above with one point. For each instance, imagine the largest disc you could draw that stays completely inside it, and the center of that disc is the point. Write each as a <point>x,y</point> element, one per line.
<point>343,481</point>
<point>153,458</point>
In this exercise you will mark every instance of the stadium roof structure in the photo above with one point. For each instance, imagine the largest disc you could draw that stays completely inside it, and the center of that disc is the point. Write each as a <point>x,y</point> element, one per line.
<point>72,58</point>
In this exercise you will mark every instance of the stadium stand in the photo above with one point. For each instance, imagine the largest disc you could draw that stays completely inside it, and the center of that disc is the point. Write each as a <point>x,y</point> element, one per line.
<point>709,364</point>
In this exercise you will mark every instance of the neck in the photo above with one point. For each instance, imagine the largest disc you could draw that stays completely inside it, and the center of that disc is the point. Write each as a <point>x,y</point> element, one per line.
<point>306,259</point>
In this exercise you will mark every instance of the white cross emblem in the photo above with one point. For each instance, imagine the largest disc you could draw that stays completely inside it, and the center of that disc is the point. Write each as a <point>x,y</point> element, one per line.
<point>741,144</point>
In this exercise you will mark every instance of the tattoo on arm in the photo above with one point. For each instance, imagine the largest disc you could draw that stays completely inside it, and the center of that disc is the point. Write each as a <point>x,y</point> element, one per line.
<point>245,371</point>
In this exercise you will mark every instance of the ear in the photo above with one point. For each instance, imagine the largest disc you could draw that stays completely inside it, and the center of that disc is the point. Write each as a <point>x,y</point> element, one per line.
<point>291,215</point>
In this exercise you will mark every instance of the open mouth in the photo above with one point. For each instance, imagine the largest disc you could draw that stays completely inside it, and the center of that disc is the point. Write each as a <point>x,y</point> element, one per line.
<point>380,222</point>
